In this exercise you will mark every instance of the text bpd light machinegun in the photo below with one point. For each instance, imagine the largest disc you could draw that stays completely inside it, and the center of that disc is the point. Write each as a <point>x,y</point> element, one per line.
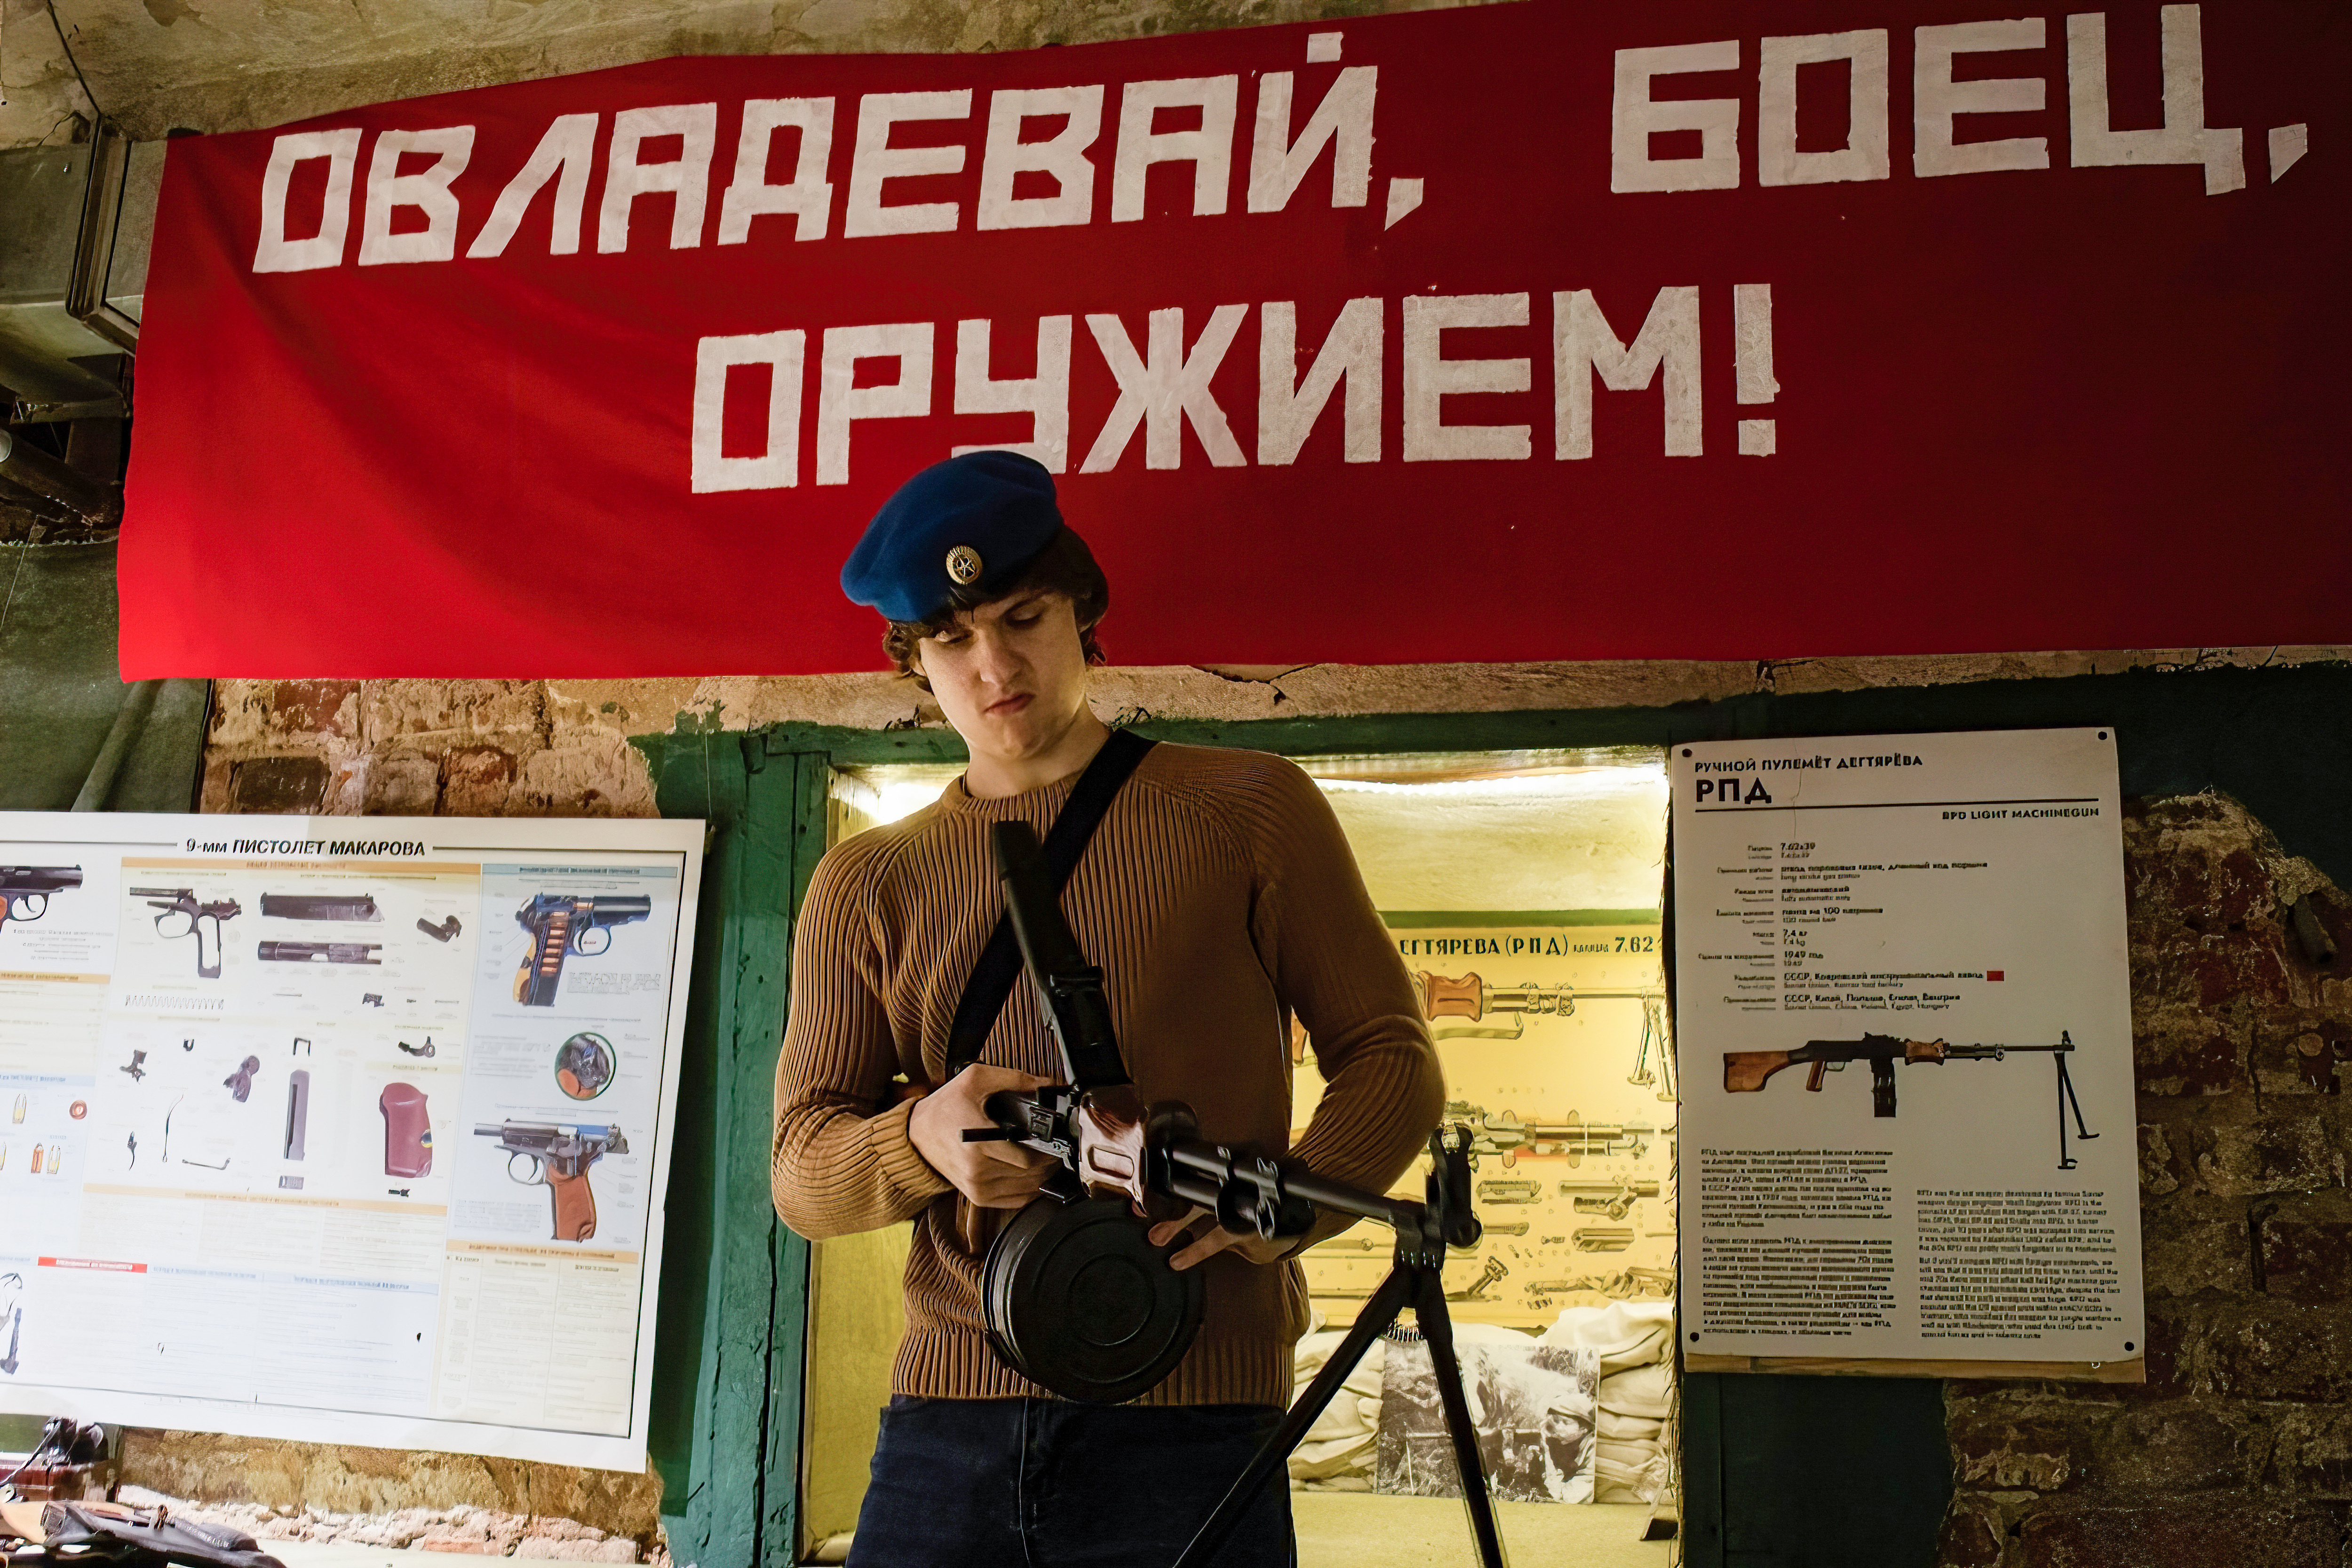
<point>1122,1331</point>
<point>560,1158</point>
<point>566,923</point>
<point>1445,998</point>
<point>184,916</point>
<point>25,890</point>
<point>1748,1071</point>
<point>1571,1138</point>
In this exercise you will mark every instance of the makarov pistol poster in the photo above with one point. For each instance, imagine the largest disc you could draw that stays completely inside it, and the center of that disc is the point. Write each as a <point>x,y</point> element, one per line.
<point>343,1129</point>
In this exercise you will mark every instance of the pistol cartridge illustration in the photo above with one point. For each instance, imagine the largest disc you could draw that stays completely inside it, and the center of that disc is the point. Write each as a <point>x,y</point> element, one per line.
<point>561,924</point>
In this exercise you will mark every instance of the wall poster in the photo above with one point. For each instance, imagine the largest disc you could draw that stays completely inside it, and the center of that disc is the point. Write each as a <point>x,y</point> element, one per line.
<point>348,1130</point>
<point>1903,1000</point>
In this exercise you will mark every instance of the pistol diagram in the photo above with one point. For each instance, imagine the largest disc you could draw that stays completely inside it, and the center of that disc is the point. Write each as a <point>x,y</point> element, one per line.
<point>1747,1072</point>
<point>184,915</point>
<point>319,907</point>
<point>558,1158</point>
<point>566,923</point>
<point>25,890</point>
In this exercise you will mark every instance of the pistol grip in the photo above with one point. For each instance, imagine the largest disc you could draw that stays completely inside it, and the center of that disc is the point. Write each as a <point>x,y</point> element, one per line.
<point>207,971</point>
<point>542,964</point>
<point>1813,1079</point>
<point>575,1207</point>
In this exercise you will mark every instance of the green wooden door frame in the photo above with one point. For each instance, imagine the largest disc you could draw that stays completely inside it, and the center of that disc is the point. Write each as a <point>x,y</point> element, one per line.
<point>733,1314</point>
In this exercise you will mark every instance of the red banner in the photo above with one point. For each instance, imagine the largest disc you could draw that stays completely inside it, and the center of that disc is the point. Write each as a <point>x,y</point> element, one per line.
<point>1520,331</point>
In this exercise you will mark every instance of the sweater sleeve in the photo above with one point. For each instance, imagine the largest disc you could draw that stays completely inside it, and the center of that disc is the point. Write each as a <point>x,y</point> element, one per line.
<point>1334,964</point>
<point>842,1161</point>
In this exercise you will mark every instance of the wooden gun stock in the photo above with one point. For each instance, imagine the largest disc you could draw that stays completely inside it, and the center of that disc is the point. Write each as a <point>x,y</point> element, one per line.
<point>1746,1071</point>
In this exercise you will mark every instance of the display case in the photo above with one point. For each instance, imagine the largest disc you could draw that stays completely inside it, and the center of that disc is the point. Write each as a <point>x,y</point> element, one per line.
<point>1524,891</point>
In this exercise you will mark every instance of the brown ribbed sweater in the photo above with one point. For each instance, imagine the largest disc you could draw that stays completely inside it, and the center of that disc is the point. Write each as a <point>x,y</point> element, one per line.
<point>1220,897</point>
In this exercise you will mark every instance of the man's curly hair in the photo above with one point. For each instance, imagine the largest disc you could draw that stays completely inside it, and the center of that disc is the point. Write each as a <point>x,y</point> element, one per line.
<point>1064,566</point>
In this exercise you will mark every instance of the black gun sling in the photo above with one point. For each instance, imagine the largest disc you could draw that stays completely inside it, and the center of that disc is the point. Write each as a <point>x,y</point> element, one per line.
<point>1073,1295</point>
<point>992,977</point>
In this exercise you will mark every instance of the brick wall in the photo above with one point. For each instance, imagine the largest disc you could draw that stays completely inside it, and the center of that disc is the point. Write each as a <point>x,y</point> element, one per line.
<point>2238,1450</point>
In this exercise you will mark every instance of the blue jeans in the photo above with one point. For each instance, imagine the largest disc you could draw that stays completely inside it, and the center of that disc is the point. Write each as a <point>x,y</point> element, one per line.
<point>1044,1483</point>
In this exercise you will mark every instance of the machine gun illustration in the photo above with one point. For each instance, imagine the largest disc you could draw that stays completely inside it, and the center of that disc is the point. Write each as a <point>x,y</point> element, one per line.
<point>1615,1199</point>
<point>1117,1160</point>
<point>559,1159</point>
<point>319,907</point>
<point>1746,1072</point>
<point>1573,1137</point>
<point>25,890</point>
<point>183,916</point>
<point>1654,1040</point>
<point>566,923</point>
<point>1445,998</point>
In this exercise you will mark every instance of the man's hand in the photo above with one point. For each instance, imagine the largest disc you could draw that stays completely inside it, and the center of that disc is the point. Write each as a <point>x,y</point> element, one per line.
<point>993,1175</point>
<point>1216,1239</point>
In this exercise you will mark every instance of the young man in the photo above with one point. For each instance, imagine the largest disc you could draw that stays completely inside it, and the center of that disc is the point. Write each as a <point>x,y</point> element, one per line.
<point>1221,899</point>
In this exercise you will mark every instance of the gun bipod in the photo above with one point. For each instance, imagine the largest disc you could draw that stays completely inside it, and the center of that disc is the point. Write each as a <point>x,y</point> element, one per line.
<point>1415,1280</point>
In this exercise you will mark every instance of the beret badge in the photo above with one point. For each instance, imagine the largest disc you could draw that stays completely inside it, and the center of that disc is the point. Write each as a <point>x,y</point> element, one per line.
<point>964,565</point>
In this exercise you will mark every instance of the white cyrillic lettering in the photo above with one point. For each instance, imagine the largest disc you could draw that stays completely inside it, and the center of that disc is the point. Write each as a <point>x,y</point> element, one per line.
<point>2183,140</point>
<point>1063,155</point>
<point>1210,149</point>
<point>840,403</point>
<point>687,177</point>
<point>875,162</point>
<point>809,198</point>
<point>1350,352</point>
<point>1751,344</point>
<point>1045,396</point>
<point>1430,376</point>
<point>1634,117</point>
<point>1343,119</point>
<point>780,466</point>
<point>1583,344</point>
<point>1936,99</point>
<point>426,189</point>
<point>1165,387</point>
<point>275,252</point>
<point>1865,155</point>
<point>567,149</point>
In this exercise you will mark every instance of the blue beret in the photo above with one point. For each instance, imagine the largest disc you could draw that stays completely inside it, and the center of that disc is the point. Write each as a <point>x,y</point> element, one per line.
<point>972,523</point>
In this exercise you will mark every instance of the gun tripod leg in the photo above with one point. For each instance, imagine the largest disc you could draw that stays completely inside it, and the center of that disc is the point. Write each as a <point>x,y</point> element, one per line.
<point>2066,1097</point>
<point>1396,1292</point>
<point>1437,1329</point>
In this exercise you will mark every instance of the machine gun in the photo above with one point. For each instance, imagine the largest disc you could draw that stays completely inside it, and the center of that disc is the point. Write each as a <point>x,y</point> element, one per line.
<point>1117,1160</point>
<point>1746,1072</point>
<point>1573,1137</point>
<point>25,890</point>
<point>559,1159</point>
<point>567,922</point>
<point>183,916</point>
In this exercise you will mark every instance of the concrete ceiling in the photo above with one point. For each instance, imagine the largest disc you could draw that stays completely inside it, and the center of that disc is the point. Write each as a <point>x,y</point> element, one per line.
<point>235,64</point>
